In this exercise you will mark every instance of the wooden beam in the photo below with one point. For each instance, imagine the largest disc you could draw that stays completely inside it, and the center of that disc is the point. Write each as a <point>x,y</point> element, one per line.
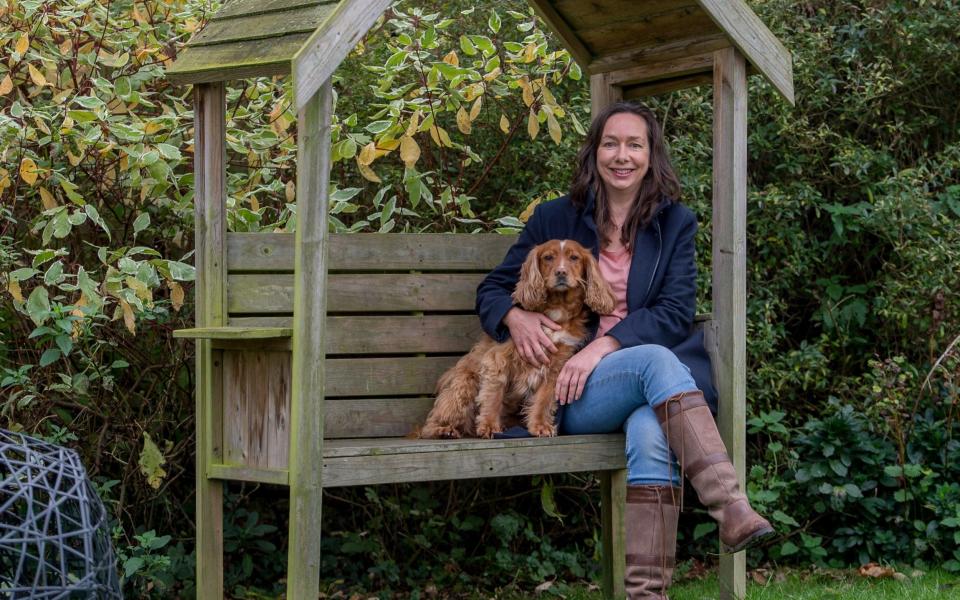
<point>320,56</point>
<point>562,29</point>
<point>603,93</point>
<point>308,374</point>
<point>730,274</point>
<point>665,86</point>
<point>210,258</point>
<point>667,69</point>
<point>757,43</point>
<point>654,53</point>
<point>613,498</point>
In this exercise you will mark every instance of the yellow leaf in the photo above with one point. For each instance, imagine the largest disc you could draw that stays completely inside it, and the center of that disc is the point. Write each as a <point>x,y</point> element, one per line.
<point>504,124</point>
<point>386,145</point>
<point>151,462</point>
<point>128,318</point>
<point>73,158</point>
<point>66,126</point>
<point>492,74</point>
<point>548,98</point>
<point>452,59</point>
<point>254,204</point>
<point>6,85</point>
<point>138,16</point>
<point>36,76</point>
<point>472,91</point>
<point>78,324</point>
<point>527,91</point>
<point>152,127</point>
<point>290,193</point>
<point>124,162</point>
<point>367,172</point>
<point>409,151</point>
<point>47,198</point>
<point>414,123</point>
<point>28,171</point>
<point>41,125</point>
<point>176,296</point>
<point>66,46</point>
<point>23,44</point>
<point>4,180</point>
<point>528,211</point>
<point>553,127</point>
<point>435,136</point>
<point>533,126</point>
<point>475,109</point>
<point>463,121</point>
<point>139,288</point>
<point>13,286</point>
<point>444,137</point>
<point>529,52</point>
<point>368,154</point>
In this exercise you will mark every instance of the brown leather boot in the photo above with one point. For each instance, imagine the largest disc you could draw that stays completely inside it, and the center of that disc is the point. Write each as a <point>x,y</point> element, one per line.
<point>651,523</point>
<point>693,436</point>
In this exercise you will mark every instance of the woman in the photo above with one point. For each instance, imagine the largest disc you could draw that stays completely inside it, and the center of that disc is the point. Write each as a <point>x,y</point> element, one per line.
<point>646,372</point>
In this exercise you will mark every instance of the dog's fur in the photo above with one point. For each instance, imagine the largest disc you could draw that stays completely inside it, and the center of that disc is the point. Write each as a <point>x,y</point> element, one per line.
<point>492,386</point>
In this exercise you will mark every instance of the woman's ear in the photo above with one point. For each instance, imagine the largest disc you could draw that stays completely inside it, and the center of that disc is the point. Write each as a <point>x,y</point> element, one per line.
<point>531,291</point>
<point>599,295</point>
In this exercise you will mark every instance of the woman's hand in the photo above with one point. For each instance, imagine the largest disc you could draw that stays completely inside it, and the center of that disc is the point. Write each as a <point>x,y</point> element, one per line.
<point>526,330</point>
<point>573,376</point>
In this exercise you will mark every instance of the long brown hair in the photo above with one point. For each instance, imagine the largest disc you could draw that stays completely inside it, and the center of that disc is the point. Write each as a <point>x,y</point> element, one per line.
<point>659,182</point>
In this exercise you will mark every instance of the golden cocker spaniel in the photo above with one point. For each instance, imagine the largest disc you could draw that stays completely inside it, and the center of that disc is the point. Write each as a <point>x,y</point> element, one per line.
<point>492,386</point>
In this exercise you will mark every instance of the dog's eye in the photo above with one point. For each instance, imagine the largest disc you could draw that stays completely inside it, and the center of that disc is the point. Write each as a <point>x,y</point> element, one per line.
<point>574,258</point>
<point>548,258</point>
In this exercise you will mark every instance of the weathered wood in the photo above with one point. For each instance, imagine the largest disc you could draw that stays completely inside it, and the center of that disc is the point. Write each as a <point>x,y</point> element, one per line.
<point>651,55</point>
<point>244,8</point>
<point>210,230</point>
<point>597,13</point>
<point>668,69</point>
<point>684,23</point>
<point>757,43</point>
<point>561,28</point>
<point>238,60</point>
<point>256,419</point>
<point>360,462</point>
<point>665,86</point>
<point>261,26</point>
<point>353,377</point>
<point>613,498</point>
<point>319,57</point>
<point>308,364</point>
<point>272,294</point>
<point>233,333</point>
<point>730,274</point>
<point>251,474</point>
<point>374,417</point>
<point>358,252</point>
<point>603,93</point>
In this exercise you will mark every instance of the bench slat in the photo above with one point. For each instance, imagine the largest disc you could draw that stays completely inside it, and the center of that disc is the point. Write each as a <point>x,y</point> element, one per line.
<point>272,293</point>
<point>352,377</point>
<point>353,462</point>
<point>374,417</point>
<point>273,252</point>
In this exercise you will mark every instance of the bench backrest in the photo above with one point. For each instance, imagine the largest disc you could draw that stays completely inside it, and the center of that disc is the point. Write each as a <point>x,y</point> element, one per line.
<point>400,311</point>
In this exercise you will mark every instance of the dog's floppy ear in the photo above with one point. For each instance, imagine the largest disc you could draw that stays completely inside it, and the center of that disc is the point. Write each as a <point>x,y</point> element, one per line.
<point>531,291</point>
<point>599,295</point>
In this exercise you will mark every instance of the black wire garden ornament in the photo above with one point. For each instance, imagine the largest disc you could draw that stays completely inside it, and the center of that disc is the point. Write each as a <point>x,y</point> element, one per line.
<point>54,537</point>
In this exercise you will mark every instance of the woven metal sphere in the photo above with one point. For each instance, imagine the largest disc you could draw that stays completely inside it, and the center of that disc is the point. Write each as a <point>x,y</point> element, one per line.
<point>54,536</point>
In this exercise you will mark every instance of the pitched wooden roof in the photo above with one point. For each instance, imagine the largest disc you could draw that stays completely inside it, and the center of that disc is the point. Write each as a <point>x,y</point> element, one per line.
<point>640,45</point>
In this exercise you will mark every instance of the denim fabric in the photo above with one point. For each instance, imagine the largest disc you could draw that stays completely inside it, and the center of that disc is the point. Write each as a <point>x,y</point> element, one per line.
<point>620,395</point>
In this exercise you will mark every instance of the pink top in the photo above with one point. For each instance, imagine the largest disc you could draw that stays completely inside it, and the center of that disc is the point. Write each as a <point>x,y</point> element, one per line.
<point>615,267</point>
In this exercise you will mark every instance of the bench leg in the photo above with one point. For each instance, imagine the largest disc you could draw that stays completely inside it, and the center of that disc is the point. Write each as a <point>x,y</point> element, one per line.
<point>613,496</point>
<point>209,538</point>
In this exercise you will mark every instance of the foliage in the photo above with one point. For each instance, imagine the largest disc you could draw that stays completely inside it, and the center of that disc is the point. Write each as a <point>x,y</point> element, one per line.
<point>458,118</point>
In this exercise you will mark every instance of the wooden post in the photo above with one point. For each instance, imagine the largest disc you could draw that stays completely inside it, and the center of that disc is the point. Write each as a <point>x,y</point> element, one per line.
<point>613,498</point>
<point>309,330</point>
<point>613,484</point>
<point>730,273</point>
<point>210,260</point>
<point>602,93</point>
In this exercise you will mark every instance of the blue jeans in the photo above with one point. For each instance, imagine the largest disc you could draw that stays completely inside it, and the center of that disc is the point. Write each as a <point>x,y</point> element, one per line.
<point>620,394</point>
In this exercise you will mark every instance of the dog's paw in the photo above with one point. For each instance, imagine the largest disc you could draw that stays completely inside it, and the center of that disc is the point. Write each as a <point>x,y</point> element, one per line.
<point>440,432</point>
<point>542,430</point>
<point>486,430</point>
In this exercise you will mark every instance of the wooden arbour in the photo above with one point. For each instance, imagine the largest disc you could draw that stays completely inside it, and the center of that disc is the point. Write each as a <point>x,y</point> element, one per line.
<point>270,309</point>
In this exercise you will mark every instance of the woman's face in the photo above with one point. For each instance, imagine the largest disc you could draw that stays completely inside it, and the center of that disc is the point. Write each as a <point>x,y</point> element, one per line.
<point>623,155</point>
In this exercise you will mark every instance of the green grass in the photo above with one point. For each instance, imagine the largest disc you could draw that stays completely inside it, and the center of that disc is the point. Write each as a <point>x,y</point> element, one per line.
<point>801,585</point>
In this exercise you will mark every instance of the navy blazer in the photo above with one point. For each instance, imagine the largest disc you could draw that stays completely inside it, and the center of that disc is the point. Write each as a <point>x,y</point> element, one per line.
<point>661,286</point>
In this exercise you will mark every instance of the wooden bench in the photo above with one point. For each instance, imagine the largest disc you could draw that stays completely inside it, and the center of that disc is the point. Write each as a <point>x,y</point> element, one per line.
<point>399,311</point>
